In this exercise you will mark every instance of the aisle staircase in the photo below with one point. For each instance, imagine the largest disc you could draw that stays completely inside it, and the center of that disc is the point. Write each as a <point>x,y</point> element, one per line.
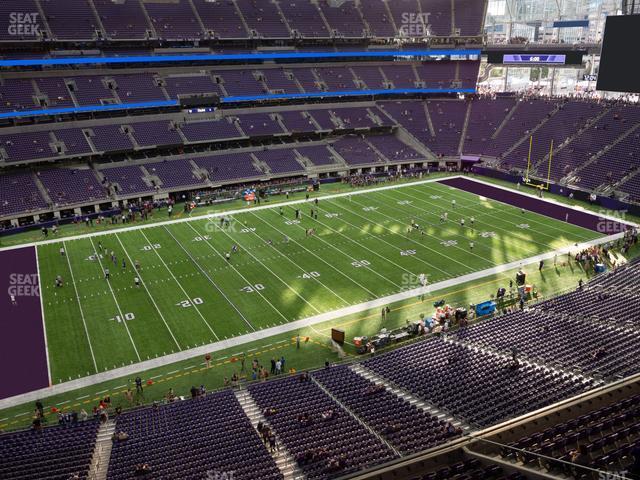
<point>284,460</point>
<point>102,451</point>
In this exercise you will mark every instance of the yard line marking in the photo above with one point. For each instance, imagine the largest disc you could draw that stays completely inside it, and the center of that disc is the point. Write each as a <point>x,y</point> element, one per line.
<point>275,275</point>
<point>116,300</point>
<point>403,236</point>
<point>281,255</point>
<point>457,247</point>
<point>120,386</point>
<point>101,392</point>
<point>138,274</point>
<point>351,240</point>
<point>4,419</point>
<point>317,256</point>
<point>204,272</point>
<point>480,215</point>
<point>180,285</point>
<point>334,246</point>
<point>84,322</point>
<point>208,242</point>
<point>465,206</point>
<point>62,403</point>
<point>172,372</point>
<point>156,376</point>
<point>21,414</point>
<point>83,397</point>
<point>44,327</point>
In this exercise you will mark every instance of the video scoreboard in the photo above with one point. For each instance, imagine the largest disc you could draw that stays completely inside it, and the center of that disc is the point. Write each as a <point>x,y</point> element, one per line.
<point>534,59</point>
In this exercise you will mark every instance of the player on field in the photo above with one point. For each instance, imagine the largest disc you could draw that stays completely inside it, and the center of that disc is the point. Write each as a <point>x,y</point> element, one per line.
<point>137,264</point>
<point>472,220</point>
<point>136,281</point>
<point>422,278</point>
<point>453,204</point>
<point>471,245</point>
<point>234,248</point>
<point>297,213</point>
<point>107,274</point>
<point>59,281</point>
<point>462,222</point>
<point>281,211</point>
<point>227,256</point>
<point>62,251</point>
<point>124,264</point>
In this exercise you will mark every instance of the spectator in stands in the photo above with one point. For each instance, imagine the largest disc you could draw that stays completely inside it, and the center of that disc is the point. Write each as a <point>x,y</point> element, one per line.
<point>579,457</point>
<point>273,446</point>
<point>278,367</point>
<point>633,470</point>
<point>142,469</point>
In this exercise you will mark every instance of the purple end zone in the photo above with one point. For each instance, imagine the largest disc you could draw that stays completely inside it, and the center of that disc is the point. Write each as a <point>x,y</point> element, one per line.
<point>584,219</point>
<point>23,356</point>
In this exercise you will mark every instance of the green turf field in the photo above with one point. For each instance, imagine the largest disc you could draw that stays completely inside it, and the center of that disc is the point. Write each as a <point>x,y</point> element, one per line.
<point>191,295</point>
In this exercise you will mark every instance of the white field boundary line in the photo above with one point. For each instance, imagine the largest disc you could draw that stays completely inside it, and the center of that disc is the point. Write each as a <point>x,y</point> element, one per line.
<point>576,208</point>
<point>44,326</point>
<point>234,342</point>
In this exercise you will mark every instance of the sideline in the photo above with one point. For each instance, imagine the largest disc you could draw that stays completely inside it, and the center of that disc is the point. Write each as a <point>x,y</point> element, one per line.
<point>304,201</point>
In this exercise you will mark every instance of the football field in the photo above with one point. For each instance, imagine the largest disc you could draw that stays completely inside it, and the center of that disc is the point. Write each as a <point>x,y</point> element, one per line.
<point>190,294</point>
